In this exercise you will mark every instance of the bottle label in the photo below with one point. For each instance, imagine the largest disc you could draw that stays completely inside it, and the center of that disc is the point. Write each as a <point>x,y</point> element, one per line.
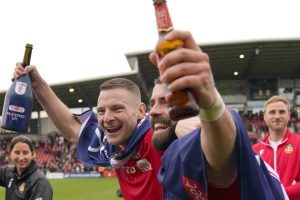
<point>17,109</point>
<point>16,116</point>
<point>20,88</point>
<point>163,19</point>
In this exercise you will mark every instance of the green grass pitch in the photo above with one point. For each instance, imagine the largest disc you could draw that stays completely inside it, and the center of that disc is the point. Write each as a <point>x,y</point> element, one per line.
<point>82,189</point>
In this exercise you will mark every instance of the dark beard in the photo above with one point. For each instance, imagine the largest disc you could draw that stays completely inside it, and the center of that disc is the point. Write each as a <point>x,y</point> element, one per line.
<point>161,144</point>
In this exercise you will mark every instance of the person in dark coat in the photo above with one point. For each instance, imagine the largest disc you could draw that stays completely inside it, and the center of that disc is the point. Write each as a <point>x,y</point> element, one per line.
<point>24,180</point>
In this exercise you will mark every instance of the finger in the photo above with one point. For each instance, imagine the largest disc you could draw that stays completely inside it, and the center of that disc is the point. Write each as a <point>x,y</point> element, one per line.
<point>202,87</point>
<point>19,65</point>
<point>152,58</point>
<point>200,80</point>
<point>175,75</point>
<point>185,36</point>
<point>28,69</point>
<point>181,62</point>
<point>18,71</point>
<point>181,70</point>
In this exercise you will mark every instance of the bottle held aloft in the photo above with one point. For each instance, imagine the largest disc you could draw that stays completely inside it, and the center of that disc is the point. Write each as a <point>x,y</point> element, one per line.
<point>182,104</point>
<point>17,108</point>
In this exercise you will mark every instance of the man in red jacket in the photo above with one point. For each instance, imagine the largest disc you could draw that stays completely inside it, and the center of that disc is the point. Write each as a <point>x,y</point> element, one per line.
<point>281,147</point>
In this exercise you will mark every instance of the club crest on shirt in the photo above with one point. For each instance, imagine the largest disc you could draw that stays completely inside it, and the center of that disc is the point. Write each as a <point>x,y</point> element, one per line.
<point>289,149</point>
<point>144,165</point>
<point>22,187</point>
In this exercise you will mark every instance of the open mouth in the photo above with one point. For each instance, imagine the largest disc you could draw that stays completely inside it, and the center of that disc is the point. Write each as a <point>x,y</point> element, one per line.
<point>113,129</point>
<point>159,128</point>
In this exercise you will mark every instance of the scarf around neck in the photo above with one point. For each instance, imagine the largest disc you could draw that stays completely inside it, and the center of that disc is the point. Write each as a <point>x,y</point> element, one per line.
<point>93,148</point>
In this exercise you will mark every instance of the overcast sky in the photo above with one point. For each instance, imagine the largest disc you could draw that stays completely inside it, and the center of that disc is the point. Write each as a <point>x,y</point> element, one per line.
<point>82,39</point>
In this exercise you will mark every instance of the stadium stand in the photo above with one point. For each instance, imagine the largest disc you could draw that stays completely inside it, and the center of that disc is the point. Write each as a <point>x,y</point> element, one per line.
<point>55,154</point>
<point>265,68</point>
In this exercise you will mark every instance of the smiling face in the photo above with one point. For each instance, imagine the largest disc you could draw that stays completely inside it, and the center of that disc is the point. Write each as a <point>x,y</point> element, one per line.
<point>119,111</point>
<point>21,156</point>
<point>277,116</point>
<point>162,127</point>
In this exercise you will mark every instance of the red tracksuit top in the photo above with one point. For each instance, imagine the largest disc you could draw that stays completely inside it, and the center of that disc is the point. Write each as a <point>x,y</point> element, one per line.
<point>285,161</point>
<point>138,176</point>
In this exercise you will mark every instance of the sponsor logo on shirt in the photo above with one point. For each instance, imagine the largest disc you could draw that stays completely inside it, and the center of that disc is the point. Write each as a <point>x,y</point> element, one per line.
<point>143,165</point>
<point>129,170</point>
<point>289,149</point>
<point>193,188</point>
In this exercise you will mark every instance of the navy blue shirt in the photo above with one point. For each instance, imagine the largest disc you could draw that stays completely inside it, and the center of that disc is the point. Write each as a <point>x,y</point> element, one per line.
<point>183,174</point>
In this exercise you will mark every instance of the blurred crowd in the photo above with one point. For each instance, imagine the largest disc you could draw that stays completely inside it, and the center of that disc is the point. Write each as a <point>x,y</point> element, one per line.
<point>55,154</point>
<point>257,128</point>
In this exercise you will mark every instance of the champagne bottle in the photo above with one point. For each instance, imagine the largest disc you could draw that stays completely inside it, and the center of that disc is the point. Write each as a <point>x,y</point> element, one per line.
<point>17,108</point>
<point>182,103</point>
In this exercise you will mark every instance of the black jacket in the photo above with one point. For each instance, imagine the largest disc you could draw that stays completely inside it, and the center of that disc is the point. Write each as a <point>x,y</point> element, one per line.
<point>30,185</point>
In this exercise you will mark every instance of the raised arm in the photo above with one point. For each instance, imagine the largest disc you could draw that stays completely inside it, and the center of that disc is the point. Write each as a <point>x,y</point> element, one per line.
<point>57,111</point>
<point>189,67</point>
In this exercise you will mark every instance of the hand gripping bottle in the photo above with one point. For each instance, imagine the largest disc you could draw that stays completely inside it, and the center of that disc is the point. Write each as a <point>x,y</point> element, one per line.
<point>182,104</point>
<point>17,108</point>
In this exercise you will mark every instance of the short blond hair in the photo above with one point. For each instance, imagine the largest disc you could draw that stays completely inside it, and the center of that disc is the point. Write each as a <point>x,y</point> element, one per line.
<point>277,98</point>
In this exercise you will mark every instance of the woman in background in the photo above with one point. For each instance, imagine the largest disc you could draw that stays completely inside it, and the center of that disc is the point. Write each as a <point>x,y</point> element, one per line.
<point>24,180</point>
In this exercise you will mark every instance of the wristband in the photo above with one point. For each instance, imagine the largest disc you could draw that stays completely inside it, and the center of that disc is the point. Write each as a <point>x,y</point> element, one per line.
<point>215,112</point>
